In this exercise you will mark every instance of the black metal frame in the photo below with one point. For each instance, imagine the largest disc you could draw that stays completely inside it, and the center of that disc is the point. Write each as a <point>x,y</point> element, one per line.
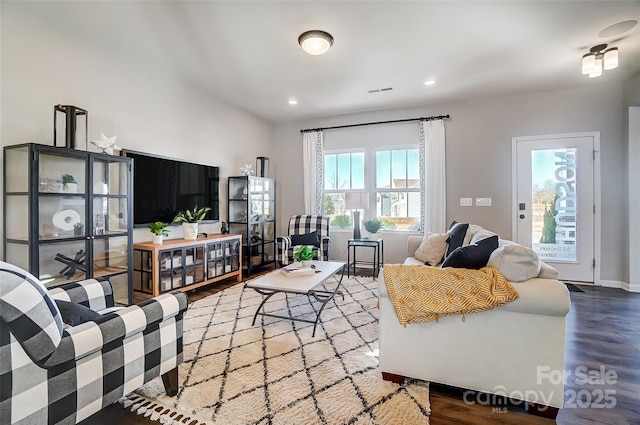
<point>33,238</point>
<point>247,244</point>
<point>378,255</point>
<point>319,295</point>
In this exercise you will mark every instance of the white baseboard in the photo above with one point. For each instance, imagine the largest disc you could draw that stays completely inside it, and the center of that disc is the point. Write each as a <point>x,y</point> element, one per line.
<point>618,284</point>
<point>611,283</point>
<point>630,287</point>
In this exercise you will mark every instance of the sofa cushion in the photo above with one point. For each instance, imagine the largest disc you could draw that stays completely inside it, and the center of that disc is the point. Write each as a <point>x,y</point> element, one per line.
<point>516,262</point>
<point>547,272</point>
<point>432,249</point>
<point>472,256</point>
<point>457,232</point>
<point>413,261</point>
<point>76,314</point>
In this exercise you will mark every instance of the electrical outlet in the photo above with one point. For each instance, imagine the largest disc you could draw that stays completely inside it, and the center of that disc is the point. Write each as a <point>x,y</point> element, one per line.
<point>483,202</point>
<point>466,202</point>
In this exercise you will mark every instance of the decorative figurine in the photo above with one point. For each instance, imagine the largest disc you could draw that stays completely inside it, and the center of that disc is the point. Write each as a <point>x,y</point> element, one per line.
<point>224,229</point>
<point>247,170</point>
<point>106,144</point>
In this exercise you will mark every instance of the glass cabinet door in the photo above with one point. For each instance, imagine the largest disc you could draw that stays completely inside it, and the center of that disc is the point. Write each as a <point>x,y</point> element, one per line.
<point>109,222</point>
<point>61,218</point>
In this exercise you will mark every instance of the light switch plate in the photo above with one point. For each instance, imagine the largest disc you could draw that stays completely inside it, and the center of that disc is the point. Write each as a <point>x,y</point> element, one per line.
<point>466,202</point>
<point>483,202</point>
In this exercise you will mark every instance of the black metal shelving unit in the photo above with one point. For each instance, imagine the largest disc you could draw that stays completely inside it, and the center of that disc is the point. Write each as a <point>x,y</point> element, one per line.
<point>251,212</point>
<point>66,232</point>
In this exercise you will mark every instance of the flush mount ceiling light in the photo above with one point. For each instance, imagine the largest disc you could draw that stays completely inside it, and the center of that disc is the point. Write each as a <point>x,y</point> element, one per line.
<point>599,58</point>
<point>315,42</point>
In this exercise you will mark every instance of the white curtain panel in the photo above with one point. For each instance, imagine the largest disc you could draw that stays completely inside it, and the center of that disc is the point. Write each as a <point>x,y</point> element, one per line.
<point>433,210</point>
<point>312,146</point>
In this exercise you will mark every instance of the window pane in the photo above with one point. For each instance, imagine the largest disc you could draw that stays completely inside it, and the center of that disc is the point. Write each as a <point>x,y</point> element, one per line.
<point>413,169</point>
<point>383,170</point>
<point>399,210</point>
<point>357,170</point>
<point>413,202</point>
<point>399,168</point>
<point>330,176</point>
<point>334,207</point>
<point>344,170</point>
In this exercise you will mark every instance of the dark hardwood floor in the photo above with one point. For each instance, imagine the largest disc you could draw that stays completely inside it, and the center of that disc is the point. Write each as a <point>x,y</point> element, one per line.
<point>602,356</point>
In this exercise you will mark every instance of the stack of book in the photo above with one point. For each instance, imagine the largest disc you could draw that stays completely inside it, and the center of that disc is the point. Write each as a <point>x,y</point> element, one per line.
<point>293,271</point>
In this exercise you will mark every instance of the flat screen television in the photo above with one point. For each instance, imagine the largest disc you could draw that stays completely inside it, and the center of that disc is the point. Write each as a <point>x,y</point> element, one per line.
<point>163,186</point>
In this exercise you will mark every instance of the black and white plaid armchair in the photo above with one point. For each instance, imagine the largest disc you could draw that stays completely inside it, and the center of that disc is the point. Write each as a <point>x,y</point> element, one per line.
<point>52,375</point>
<point>305,230</point>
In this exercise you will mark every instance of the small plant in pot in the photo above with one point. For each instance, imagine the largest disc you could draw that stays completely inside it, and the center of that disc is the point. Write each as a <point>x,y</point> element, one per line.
<point>190,220</point>
<point>159,231</point>
<point>373,225</point>
<point>68,183</point>
<point>304,255</point>
<point>77,229</point>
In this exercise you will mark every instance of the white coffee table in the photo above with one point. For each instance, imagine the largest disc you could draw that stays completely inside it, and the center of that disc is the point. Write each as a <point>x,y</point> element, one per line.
<point>276,282</point>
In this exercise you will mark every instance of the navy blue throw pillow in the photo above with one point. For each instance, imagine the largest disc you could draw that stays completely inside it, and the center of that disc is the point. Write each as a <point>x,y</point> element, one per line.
<point>457,232</point>
<point>306,239</point>
<point>473,256</point>
<point>76,314</point>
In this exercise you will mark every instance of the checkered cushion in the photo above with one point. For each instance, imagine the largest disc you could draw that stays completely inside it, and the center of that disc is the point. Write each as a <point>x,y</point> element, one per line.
<point>95,363</point>
<point>301,225</point>
<point>29,313</point>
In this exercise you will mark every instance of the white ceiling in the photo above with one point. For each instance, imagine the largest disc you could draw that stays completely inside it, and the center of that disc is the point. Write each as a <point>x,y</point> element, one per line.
<point>247,52</point>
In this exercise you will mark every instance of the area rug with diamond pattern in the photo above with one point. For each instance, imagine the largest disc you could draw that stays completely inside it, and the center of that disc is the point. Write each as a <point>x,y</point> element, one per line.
<point>275,372</point>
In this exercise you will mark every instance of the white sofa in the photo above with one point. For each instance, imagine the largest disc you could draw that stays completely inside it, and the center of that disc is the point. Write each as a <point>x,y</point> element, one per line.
<point>516,350</point>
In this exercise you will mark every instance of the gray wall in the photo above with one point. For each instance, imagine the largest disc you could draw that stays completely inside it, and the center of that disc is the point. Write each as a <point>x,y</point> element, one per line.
<point>479,138</point>
<point>632,99</point>
<point>147,108</point>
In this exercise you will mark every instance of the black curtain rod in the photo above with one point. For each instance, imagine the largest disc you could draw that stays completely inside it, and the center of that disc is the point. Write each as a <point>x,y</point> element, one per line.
<point>439,117</point>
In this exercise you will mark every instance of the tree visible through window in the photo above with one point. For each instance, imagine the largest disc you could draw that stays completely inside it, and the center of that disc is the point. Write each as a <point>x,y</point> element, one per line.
<point>394,183</point>
<point>343,172</point>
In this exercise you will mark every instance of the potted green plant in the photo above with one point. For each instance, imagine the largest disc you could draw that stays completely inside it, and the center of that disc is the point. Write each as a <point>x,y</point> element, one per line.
<point>373,225</point>
<point>190,220</point>
<point>159,230</point>
<point>68,183</point>
<point>77,229</point>
<point>303,255</point>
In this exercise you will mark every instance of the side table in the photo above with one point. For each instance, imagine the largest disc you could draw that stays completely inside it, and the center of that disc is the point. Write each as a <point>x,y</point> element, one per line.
<point>378,255</point>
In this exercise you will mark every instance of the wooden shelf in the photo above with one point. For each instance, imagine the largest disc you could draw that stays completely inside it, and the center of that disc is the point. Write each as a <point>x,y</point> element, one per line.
<point>209,252</point>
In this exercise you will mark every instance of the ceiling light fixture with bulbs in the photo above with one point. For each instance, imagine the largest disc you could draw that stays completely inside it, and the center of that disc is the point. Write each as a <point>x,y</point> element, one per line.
<point>599,58</point>
<point>315,42</point>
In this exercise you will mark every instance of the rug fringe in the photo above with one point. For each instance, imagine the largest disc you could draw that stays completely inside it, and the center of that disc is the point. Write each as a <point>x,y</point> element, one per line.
<point>157,412</point>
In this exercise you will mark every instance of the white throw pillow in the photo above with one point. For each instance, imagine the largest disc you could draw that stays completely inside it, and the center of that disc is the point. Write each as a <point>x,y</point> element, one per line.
<point>432,249</point>
<point>516,262</point>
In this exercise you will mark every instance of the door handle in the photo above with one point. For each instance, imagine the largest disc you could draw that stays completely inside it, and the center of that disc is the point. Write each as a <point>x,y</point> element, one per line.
<point>521,216</point>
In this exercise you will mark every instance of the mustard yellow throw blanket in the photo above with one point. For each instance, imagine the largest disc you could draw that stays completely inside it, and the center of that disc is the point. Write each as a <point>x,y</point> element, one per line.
<point>421,293</point>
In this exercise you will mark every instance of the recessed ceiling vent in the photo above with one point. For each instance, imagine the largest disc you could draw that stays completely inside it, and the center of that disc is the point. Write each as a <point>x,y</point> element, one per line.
<point>381,90</point>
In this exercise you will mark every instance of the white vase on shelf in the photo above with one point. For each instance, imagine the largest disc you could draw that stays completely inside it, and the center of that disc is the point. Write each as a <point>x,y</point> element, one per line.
<point>190,230</point>
<point>156,239</point>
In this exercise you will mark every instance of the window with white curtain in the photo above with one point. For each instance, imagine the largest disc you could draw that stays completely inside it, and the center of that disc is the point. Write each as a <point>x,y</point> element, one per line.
<point>381,160</point>
<point>397,188</point>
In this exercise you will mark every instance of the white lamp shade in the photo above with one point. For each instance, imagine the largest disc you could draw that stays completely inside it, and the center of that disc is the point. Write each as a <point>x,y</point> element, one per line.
<point>611,58</point>
<point>356,200</point>
<point>315,42</point>
<point>597,70</point>
<point>588,63</point>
